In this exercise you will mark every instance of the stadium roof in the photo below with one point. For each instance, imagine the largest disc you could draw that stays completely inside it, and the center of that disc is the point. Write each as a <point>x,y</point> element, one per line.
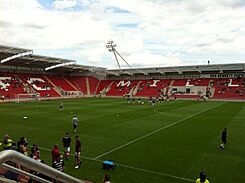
<point>180,69</point>
<point>13,56</point>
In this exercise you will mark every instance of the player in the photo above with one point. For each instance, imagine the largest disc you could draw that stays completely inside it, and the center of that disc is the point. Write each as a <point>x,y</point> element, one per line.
<point>75,122</point>
<point>153,101</point>
<point>67,145</point>
<point>202,178</point>
<point>128,99</point>
<point>61,106</point>
<point>77,152</point>
<point>139,100</point>
<point>223,138</point>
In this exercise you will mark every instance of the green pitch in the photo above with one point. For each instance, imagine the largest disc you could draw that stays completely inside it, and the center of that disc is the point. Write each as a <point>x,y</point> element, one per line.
<point>170,143</point>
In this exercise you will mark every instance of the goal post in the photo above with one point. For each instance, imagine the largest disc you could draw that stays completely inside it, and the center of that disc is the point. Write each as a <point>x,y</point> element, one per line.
<point>27,97</point>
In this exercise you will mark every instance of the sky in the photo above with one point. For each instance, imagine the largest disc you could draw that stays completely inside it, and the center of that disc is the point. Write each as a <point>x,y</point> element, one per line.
<point>148,33</point>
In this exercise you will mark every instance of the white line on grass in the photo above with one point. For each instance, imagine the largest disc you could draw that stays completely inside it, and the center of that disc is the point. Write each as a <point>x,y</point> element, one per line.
<point>157,173</point>
<point>153,132</point>
<point>133,168</point>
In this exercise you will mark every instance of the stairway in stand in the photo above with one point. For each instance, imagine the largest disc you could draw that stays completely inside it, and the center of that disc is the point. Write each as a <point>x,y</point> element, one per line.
<point>87,86</point>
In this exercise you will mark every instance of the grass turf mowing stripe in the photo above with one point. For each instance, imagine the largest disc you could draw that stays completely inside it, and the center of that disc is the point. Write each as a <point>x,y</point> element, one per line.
<point>133,168</point>
<point>155,131</point>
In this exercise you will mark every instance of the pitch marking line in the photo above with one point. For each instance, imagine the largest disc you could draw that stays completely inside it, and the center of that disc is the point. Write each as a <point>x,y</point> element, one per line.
<point>133,168</point>
<point>155,131</point>
<point>157,173</point>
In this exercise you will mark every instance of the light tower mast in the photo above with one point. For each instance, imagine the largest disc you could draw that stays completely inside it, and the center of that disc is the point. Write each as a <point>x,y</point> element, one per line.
<point>111,47</point>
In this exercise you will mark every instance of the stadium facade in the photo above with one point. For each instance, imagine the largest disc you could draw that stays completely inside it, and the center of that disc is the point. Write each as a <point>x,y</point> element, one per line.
<point>23,73</point>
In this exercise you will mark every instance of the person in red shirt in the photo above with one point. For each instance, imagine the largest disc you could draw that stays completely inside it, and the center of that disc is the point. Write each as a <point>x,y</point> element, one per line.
<point>55,152</point>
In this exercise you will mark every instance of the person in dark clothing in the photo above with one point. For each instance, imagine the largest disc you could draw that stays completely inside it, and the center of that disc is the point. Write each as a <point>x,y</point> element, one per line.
<point>77,151</point>
<point>67,145</point>
<point>35,153</point>
<point>223,138</point>
<point>22,145</point>
<point>59,164</point>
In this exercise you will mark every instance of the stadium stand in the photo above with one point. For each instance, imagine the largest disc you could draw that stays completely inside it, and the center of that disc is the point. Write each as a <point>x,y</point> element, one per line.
<point>55,77</point>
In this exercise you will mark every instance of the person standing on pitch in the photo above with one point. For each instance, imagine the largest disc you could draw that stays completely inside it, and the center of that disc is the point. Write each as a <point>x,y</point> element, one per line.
<point>223,138</point>
<point>61,106</point>
<point>67,145</point>
<point>75,122</point>
<point>78,147</point>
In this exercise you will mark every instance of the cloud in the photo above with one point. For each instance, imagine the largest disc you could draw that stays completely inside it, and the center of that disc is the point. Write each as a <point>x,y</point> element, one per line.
<point>147,32</point>
<point>63,4</point>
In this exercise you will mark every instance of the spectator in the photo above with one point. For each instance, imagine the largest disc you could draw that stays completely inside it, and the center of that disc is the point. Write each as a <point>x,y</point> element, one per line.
<point>202,178</point>
<point>55,152</point>
<point>59,164</point>
<point>106,179</point>
<point>40,175</point>
<point>7,142</point>
<point>22,145</point>
<point>35,153</point>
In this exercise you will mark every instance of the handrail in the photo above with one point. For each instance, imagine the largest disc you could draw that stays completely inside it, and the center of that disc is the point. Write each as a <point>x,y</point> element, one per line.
<point>25,161</point>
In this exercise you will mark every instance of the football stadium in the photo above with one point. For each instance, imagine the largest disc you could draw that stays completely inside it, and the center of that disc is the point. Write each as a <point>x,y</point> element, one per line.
<point>115,91</point>
<point>155,124</point>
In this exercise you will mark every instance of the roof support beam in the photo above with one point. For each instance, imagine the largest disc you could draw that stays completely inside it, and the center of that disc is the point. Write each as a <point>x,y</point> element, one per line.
<point>196,68</point>
<point>113,73</point>
<point>179,72</point>
<point>220,70</point>
<point>17,56</point>
<point>141,72</point>
<point>160,71</point>
<point>59,65</point>
<point>125,72</point>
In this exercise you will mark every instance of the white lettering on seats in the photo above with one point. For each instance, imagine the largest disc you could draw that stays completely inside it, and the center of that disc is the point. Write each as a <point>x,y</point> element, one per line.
<point>154,83</point>
<point>230,83</point>
<point>122,83</point>
<point>34,81</point>
<point>4,85</point>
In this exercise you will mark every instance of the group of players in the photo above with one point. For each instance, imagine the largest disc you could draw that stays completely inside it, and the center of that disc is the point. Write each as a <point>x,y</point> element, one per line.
<point>57,157</point>
<point>67,141</point>
<point>151,100</point>
<point>75,121</point>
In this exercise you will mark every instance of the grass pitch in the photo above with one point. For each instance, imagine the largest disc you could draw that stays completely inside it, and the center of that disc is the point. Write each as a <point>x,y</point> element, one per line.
<point>169,143</point>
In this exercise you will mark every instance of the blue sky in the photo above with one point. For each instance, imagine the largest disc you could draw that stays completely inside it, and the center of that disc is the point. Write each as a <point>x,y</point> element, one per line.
<point>147,32</point>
